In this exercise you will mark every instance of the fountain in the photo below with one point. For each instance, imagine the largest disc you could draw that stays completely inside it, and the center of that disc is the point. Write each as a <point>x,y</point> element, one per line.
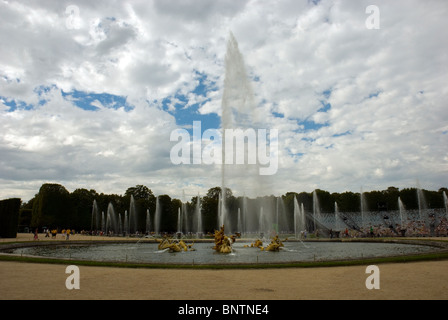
<point>222,242</point>
<point>262,223</point>
<point>402,210</point>
<point>316,210</point>
<point>198,213</point>
<point>179,221</point>
<point>174,245</point>
<point>422,206</point>
<point>240,222</point>
<point>185,224</point>
<point>103,222</point>
<point>132,216</point>
<point>237,111</point>
<point>95,216</point>
<point>148,222</point>
<point>157,218</point>
<point>445,202</point>
<point>299,219</point>
<point>111,222</point>
<point>126,223</point>
<point>339,222</point>
<point>363,209</point>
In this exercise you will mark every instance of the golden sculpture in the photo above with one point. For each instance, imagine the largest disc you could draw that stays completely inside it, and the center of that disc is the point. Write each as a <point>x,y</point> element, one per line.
<point>222,242</point>
<point>257,244</point>
<point>174,246</point>
<point>275,245</point>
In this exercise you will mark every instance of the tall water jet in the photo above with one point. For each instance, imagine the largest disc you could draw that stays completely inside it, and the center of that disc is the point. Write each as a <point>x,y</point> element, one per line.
<point>148,222</point>
<point>111,223</point>
<point>198,213</point>
<point>244,216</point>
<point>126,223</point>
<point>445,201</point>
<point>316,209</point>
<point>238,112</point>
<point>277,214</point>
<point>103,222</point>
<point>302,217</point>
<point>220,213</point>
<point>339,222</point>
<point>402,210</point>
<point>261,223</point>
<point>179,220</point>
<point>297,227</point>
<point>299,219</point>
<point>422,207</point>
<point>132,216</point>
<point>95,216</point>
<point>185,219</point>
<point>363,208</point>
<point>240,222</point>
<point>157,217</point>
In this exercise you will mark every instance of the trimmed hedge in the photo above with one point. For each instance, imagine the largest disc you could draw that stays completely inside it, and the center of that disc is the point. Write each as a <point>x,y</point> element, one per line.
<point>9,217</point>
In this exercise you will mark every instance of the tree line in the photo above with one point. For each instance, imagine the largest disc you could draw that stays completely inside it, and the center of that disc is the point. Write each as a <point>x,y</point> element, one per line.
<point>55,207</point>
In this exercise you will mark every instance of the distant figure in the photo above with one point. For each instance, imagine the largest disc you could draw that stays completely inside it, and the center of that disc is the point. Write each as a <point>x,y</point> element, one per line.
<point>36,235</point>
<point>68,234</point>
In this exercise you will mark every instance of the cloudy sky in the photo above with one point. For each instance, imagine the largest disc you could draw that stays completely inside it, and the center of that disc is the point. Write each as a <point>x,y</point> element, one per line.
<point>90,92</point>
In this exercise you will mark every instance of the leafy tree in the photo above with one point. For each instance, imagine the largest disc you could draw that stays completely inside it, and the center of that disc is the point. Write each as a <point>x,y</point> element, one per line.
<point>52,207</point>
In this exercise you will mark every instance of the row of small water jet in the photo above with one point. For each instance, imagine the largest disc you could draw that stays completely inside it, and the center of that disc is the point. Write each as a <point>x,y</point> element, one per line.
<point>258,216</point>
<point>185,225</point>
<point>111,222</point>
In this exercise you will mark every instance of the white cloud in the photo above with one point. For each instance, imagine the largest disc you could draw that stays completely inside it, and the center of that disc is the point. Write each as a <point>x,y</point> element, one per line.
<point>386,125</point>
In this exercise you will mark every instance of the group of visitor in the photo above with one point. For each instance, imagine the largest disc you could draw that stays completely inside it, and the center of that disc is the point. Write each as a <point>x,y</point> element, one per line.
<point>53,233</point>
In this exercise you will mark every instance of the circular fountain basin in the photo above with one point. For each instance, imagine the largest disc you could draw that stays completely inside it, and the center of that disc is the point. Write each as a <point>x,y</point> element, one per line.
<point>148,253</point>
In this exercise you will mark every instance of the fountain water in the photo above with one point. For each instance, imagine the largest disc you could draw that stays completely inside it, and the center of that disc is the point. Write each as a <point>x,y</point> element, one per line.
<point>120,224</point>
<point>126,223</point>
<point>445,201</point>
<point>132,216</point>
<point>157,218</point>
<point>198,213</point>
<point>339,223</point>
<point>148,222</point>
<point>261,223</point>
<point>299,219</point>
<point>95,216</point>
<point>363,208</point>
<point>179,220</point>
<point>111,222</point>
<point>103,222</point>
<point>238,112</point>
<point>402,210</point>
<point>316,209</point>
<point>240,222</point>
<point>422,206</point>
